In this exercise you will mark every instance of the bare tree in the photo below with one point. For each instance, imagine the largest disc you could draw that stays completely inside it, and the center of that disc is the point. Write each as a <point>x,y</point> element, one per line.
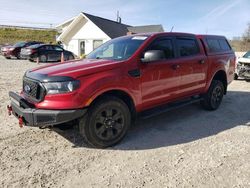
<point>246,38</point>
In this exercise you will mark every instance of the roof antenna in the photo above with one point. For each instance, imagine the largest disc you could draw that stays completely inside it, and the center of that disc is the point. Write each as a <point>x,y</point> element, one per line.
<point>118,18</point>
<point>172,29</point>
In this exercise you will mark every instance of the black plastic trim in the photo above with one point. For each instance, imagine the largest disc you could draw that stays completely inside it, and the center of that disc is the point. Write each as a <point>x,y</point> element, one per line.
<point>45,78</point>
<point>135,73</point>
<point>40,117</point>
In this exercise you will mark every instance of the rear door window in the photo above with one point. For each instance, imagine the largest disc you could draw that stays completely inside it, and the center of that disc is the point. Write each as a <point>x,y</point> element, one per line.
<point>187,47</point>
<point>57,48</point>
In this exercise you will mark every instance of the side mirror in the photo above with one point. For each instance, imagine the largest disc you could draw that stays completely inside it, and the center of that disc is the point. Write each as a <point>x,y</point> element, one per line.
<point>153,55</point>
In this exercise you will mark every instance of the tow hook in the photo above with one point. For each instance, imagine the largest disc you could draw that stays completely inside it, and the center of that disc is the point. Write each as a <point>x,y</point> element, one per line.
<point>9,108</point>
<point>20,119</point>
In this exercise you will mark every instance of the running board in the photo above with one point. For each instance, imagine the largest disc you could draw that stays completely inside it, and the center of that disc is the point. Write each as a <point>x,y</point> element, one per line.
<point>170,106</point>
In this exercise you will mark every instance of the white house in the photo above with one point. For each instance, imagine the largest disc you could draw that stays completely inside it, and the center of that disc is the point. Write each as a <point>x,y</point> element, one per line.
<point>85,32</point>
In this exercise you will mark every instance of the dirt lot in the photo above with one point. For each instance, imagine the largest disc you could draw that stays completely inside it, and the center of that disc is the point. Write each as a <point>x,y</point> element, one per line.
<point>188,147</point>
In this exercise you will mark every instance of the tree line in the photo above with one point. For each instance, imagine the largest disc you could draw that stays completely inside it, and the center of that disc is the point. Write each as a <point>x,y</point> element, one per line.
<point>243,43</point>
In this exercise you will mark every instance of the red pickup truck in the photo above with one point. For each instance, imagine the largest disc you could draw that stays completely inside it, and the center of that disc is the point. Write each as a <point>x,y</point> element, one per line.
<point>133,75</point>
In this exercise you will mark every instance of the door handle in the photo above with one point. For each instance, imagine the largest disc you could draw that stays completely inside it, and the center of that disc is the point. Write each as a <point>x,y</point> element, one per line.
<point>175,67</point>
<point>202,61</point>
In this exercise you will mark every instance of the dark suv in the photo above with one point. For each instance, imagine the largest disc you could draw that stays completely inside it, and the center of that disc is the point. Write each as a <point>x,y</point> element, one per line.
<point>14,51</point>
<point>45,53</point>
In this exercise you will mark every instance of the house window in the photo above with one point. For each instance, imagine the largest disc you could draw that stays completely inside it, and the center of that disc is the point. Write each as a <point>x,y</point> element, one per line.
<point>97,43</point>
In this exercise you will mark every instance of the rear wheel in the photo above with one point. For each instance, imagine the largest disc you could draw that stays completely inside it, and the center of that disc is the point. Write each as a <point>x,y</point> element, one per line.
<point>106,122</point>
<point>18,56</point>
<point>7,57</point>
<point>43,58</point>
<point>236,76</point>
<point>212,99</point>
<point>71,57</point>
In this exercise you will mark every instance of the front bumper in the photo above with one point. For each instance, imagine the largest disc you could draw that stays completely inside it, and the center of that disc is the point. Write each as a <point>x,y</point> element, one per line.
<point>30,116</point>
<point>243,71</point>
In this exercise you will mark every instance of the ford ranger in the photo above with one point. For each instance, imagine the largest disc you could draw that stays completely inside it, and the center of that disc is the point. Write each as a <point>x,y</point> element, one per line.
<point>133,75</point>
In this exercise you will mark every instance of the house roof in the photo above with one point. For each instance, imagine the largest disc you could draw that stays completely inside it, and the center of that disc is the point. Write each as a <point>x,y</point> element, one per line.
<point>67,22</point>
<point>112,28</point>
<point>146,29</point>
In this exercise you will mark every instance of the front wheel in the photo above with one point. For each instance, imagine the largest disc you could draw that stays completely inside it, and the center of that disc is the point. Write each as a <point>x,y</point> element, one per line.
<point>212,99</point>
<point>106,122</point>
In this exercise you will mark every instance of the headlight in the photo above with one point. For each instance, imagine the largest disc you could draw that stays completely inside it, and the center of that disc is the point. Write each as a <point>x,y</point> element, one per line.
<point>11,49</point>
<point>61,87</point>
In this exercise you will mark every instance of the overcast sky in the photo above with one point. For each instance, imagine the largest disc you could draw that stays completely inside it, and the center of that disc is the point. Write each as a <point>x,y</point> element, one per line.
<point>225,17</point>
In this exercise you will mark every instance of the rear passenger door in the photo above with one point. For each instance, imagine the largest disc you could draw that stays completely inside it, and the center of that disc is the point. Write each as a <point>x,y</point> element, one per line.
<point>57,51</point>
<point>193,65</point>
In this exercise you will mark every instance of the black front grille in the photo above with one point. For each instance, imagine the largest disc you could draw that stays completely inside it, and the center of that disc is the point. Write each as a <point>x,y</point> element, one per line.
<point>32,89</point>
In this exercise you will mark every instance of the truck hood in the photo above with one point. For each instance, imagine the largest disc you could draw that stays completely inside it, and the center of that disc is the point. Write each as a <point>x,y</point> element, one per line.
<point>73,69</point>
<point>244,60</point>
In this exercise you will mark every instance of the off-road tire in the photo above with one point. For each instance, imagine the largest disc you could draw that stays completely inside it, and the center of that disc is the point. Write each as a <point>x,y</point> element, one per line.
<point>236,76</point>
<point>106,122</point>
<point>212,99</point>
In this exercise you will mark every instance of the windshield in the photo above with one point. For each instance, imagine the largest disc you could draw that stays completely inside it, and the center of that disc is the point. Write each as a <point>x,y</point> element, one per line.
<point>20,44</point>
<point>247,55</point>
<point>118,49</point>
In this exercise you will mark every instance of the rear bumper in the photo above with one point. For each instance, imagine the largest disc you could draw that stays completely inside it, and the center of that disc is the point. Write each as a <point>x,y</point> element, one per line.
<point>38,117</point>
<point>8,54</point>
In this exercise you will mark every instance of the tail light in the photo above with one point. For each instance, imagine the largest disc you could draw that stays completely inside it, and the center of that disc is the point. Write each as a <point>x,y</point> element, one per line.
<point>33,50</point>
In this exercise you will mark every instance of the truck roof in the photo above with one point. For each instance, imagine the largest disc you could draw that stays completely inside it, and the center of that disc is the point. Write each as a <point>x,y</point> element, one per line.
<point>179,34</point>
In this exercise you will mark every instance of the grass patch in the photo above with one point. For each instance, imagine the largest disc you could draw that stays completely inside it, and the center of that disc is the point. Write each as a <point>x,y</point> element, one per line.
<point>13,35</point>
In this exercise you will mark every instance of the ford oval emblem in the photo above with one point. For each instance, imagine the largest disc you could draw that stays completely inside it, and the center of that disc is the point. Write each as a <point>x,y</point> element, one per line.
<point>27,89</point>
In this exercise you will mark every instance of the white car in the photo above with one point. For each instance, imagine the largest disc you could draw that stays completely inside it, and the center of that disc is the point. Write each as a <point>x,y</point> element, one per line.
<point>243,67</point>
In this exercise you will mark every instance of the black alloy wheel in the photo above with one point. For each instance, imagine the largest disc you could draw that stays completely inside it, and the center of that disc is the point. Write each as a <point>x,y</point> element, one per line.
<point>212,99</point>
<point>106,122</point>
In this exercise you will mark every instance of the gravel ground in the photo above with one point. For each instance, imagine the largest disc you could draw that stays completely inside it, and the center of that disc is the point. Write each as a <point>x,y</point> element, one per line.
<point>188,147</point>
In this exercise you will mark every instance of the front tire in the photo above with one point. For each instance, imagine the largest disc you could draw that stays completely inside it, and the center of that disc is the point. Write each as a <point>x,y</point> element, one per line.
<point>212,99</point>
<point>106,122</point>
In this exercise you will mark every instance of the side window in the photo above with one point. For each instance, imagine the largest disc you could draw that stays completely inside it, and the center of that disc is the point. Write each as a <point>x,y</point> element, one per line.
<point>58,48</point>
<point>97,43</point>
<point>43,47</point>
<point>47,47</point>
<point>187,47</point>
<point>213,45</point>
<point>224,45</point>
<point>165,45</point>
<point>109,52</point>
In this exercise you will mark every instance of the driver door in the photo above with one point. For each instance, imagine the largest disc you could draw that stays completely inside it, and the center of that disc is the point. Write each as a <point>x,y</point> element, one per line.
<point>160,79</point>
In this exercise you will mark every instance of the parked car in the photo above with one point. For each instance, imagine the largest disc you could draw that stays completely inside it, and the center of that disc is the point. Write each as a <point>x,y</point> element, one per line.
<point>243,67</point>
<point>123,78</point>
<point>14,51</point>
<point>45,53</point>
